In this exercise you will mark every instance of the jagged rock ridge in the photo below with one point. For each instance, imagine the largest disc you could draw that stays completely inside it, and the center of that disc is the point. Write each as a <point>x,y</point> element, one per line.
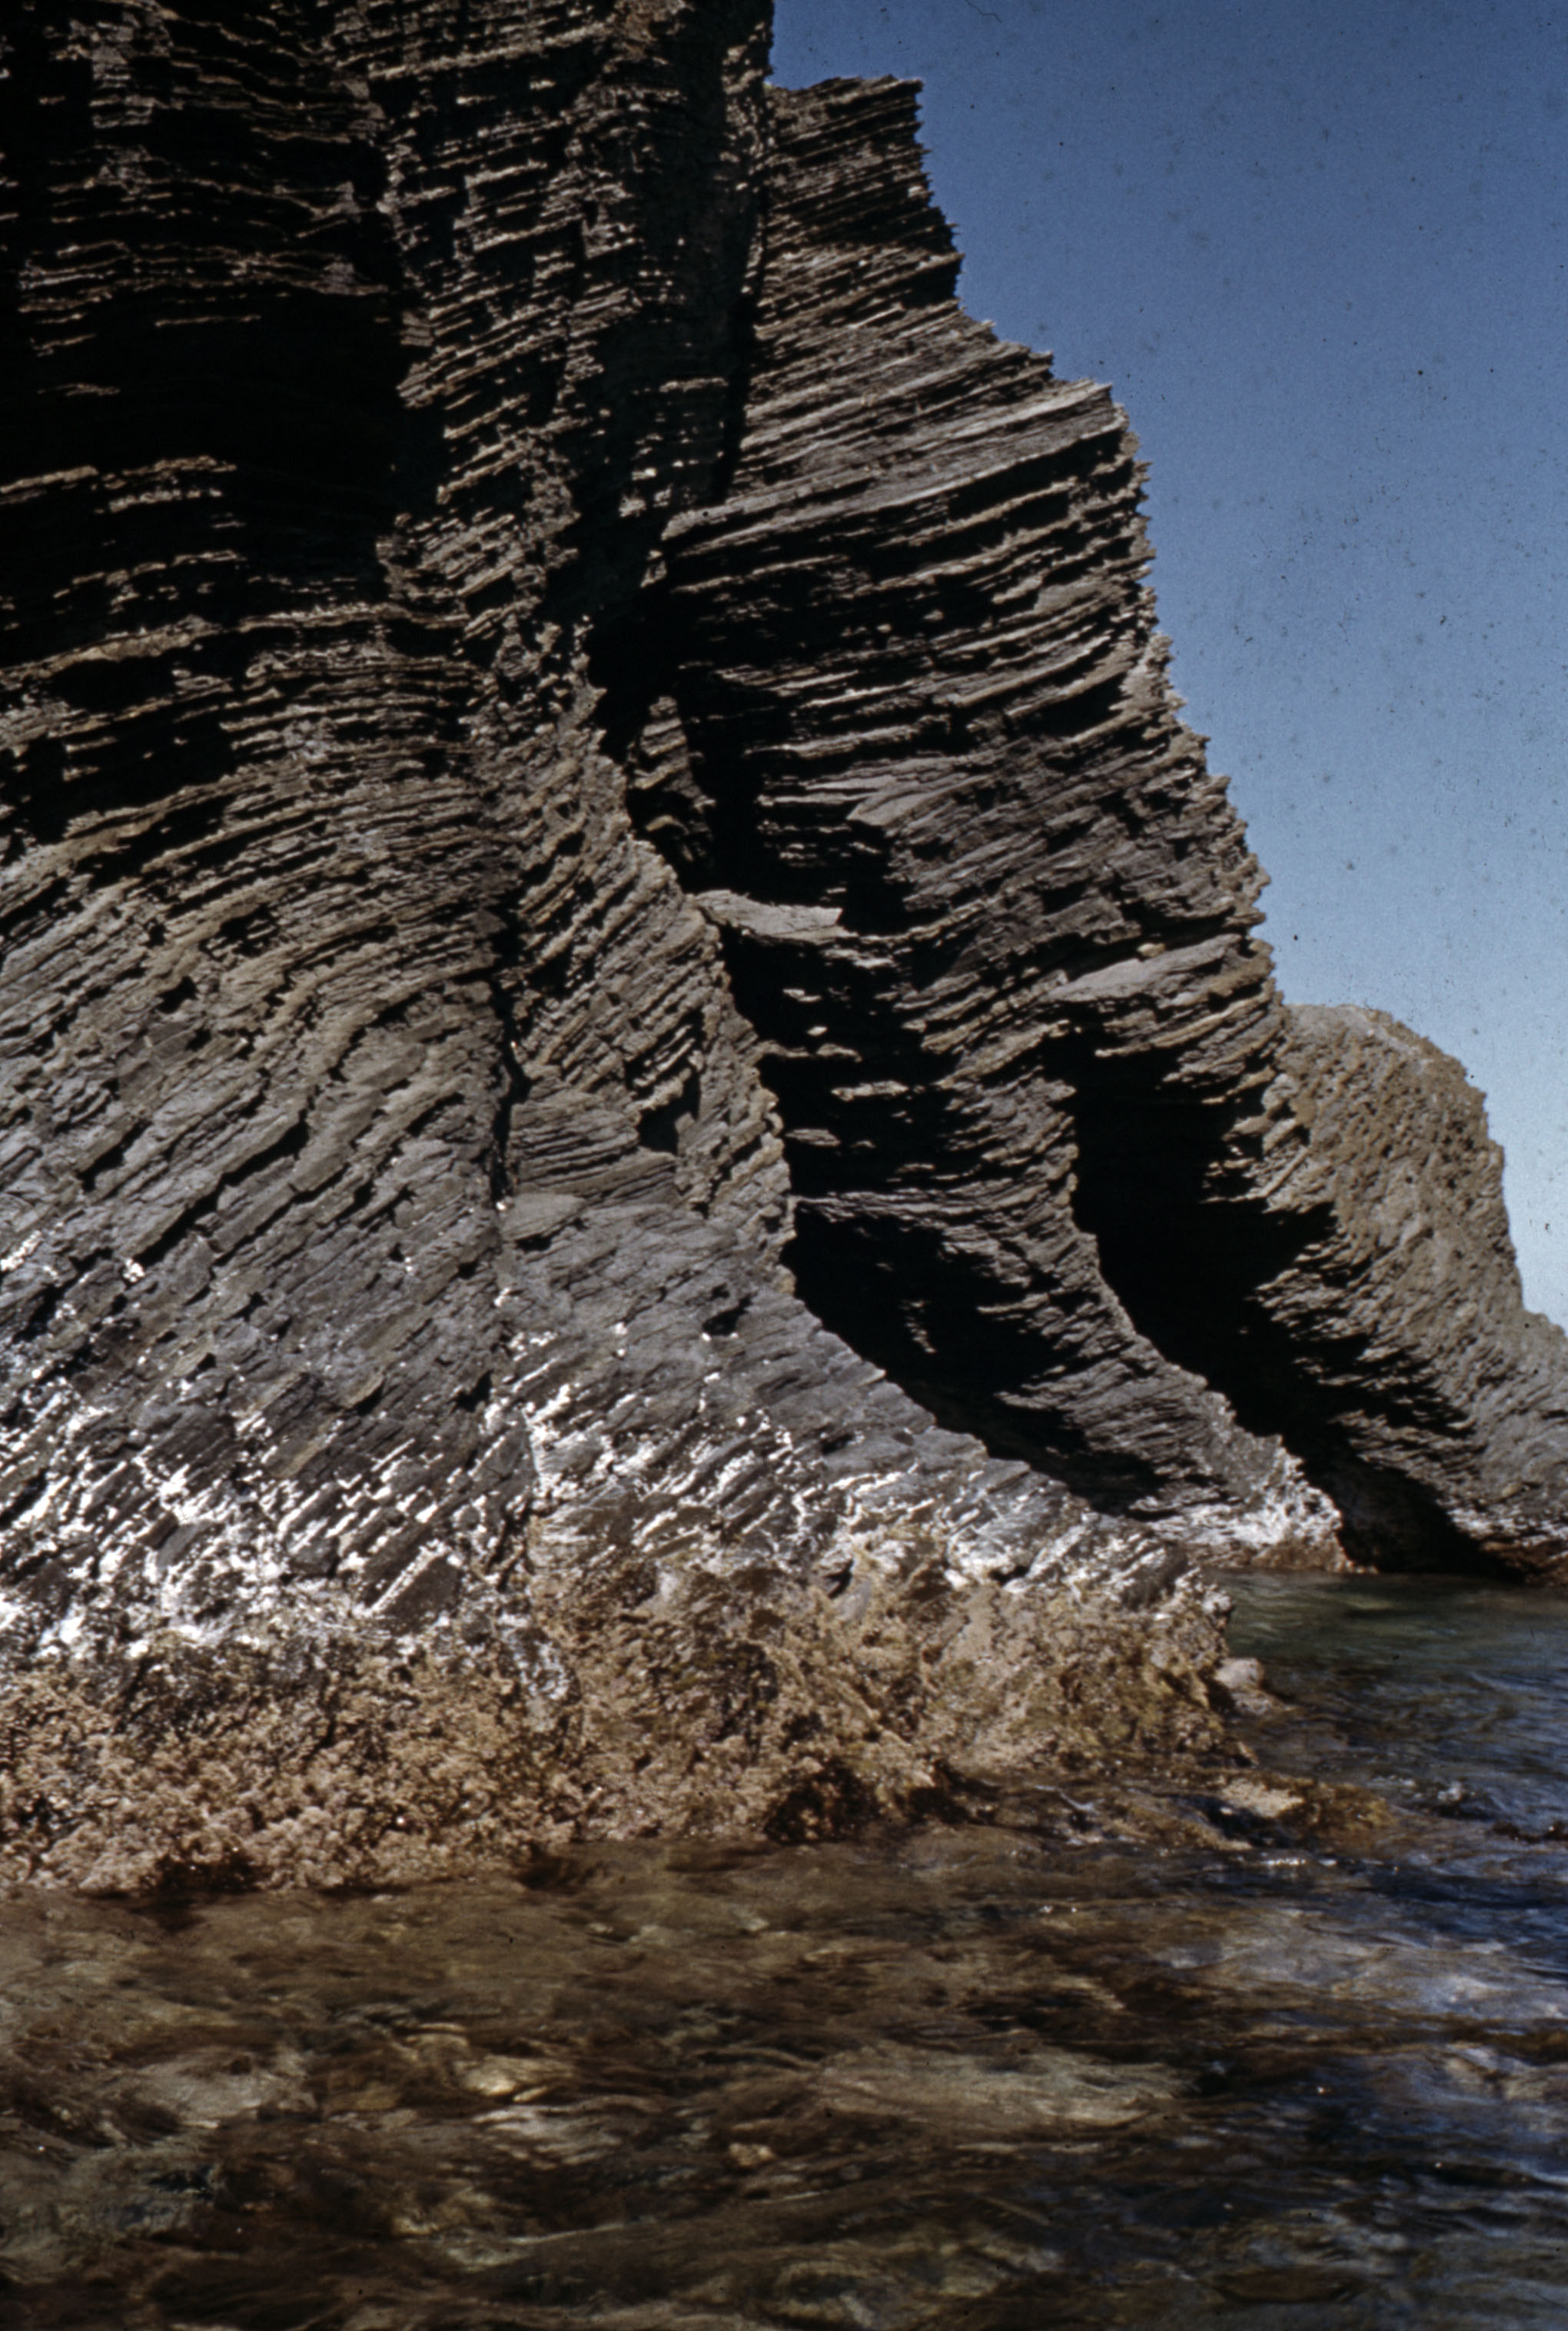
<point>578,740</point>
<point>920,675</point>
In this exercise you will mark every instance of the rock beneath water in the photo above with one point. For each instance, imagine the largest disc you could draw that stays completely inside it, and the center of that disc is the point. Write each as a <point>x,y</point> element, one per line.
<point>651,1175</point>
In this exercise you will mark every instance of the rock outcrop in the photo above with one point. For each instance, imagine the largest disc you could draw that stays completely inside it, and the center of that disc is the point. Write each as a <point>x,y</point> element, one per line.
<point>970,865</point>
<point>644,1132</point>
<point>1358,1241</point>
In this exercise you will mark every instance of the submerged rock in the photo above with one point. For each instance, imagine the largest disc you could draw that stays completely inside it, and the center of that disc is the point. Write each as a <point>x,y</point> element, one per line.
<point>651,1175</point>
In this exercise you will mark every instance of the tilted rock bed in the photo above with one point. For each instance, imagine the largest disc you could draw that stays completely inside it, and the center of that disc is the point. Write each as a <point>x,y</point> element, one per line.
<point>644,1132</point>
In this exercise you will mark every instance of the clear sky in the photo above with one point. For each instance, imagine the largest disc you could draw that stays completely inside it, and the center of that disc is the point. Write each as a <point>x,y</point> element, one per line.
<point>1320,249</point>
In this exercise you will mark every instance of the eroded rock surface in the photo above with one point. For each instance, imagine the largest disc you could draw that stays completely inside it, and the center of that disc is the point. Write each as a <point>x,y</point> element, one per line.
<point>1427,1401</point>
<point>581,747</point>
<point>969,863</point>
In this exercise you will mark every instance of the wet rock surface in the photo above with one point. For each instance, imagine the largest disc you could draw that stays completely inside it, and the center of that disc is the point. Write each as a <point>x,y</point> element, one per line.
<point>614,961</point>
<point>1286,2042</point>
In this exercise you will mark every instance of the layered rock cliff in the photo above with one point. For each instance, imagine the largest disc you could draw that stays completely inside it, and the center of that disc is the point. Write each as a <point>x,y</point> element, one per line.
<point>651,1171</point>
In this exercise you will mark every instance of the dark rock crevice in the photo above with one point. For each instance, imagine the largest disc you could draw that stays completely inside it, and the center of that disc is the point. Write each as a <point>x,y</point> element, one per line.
<point>1188,1267</point>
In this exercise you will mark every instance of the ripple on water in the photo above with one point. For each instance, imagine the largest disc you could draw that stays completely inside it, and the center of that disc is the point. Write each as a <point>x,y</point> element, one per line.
<point>985,2078</point>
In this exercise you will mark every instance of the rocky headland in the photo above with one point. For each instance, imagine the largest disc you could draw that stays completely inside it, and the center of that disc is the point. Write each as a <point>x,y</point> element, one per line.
<point>652,1176</point>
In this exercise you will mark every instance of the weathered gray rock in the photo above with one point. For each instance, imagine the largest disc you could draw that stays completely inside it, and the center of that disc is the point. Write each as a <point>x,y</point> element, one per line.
<point>970,865</point>
<point>394,1211</point>
<point>1062,1160</point>
<point>580,747</point>
<point>1422,1396</point>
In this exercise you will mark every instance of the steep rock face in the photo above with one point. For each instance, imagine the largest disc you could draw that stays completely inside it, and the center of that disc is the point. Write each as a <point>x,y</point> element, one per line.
<point>1062,1161</point>
<point>296,738</point>
<point>393,1208</point>
<point>969,863</point>
<point>1346,1266</point>
<point>577,741</point>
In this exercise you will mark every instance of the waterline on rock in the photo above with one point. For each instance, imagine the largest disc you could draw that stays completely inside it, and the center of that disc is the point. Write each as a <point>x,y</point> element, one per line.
<point>1307,2060</point>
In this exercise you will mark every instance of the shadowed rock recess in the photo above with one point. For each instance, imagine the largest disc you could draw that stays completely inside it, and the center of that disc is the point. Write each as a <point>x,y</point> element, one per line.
<point>651,1174</point>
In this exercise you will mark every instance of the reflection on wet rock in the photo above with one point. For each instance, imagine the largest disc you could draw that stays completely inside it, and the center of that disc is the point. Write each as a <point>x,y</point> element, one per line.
<point>972,2079</point>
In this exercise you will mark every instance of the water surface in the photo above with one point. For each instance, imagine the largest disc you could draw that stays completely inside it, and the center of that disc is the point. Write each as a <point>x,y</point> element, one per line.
<point>1298,2067</point>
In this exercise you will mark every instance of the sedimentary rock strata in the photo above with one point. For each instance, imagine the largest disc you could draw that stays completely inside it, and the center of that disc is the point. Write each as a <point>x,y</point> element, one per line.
<point>1382,1312</point>
<point>1062,1160</point>
<point>969,863</point>
<point>636,1073</point>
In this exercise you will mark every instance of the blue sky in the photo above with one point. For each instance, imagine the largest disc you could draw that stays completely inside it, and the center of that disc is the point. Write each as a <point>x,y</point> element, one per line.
<point>1321,253</point>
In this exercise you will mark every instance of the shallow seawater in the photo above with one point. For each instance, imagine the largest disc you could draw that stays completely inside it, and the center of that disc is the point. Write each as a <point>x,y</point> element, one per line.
<point>988,2078</point>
